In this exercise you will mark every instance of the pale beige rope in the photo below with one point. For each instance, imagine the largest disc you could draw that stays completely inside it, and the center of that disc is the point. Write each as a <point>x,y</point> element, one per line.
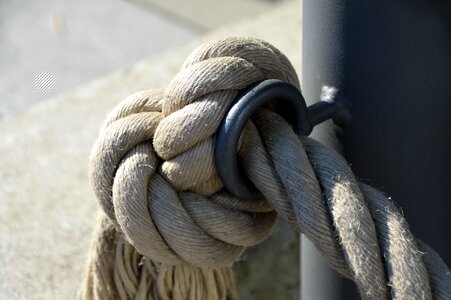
<point>152,171</point>
<point>117,271</point>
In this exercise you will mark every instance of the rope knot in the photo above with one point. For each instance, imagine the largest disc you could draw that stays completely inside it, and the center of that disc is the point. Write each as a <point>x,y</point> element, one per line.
<point>152,166</point>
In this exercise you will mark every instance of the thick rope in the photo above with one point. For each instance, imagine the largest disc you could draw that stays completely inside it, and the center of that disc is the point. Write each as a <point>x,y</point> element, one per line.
<point>152,171</point>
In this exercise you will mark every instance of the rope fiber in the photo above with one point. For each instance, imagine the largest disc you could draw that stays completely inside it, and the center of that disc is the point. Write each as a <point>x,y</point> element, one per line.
<point>170,231</point>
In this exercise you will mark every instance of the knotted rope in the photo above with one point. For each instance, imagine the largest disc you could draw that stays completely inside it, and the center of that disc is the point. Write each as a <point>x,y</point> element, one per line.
<point>172,231</point>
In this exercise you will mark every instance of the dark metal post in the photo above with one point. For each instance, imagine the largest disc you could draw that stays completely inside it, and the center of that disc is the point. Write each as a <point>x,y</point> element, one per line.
<point>392,60</point>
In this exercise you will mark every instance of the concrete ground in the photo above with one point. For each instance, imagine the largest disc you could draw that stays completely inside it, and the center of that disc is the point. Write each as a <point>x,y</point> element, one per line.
<point>51,46</point>
<point>47,209</point>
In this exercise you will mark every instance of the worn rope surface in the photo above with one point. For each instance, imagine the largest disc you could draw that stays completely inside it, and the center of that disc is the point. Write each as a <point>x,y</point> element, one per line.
<point>153,173</point>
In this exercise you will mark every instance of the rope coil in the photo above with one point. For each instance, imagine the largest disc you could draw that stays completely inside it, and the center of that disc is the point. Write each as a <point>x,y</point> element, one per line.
<point>153,173</point>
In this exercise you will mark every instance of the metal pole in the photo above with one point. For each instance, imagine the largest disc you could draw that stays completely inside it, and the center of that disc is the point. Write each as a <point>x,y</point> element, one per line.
<point>392,59</point>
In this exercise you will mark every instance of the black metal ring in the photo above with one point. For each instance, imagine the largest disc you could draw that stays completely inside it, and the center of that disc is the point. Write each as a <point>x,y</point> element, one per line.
<point>289,103</point>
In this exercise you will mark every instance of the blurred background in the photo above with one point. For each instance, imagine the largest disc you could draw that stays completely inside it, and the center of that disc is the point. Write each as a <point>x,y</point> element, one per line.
<point>50,46</point>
